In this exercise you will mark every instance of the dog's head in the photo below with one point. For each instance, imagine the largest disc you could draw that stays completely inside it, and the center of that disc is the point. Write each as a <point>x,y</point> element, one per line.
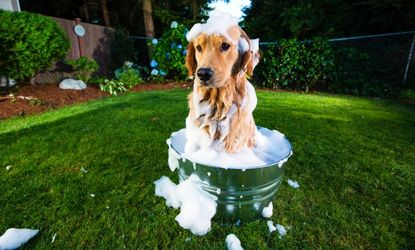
<point>214,58</point>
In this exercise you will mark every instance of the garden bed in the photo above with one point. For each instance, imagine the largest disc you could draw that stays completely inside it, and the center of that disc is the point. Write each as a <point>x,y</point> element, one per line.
<point>30,99</point>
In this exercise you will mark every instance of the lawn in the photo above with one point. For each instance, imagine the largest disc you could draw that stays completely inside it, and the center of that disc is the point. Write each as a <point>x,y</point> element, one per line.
<point>353,157</point>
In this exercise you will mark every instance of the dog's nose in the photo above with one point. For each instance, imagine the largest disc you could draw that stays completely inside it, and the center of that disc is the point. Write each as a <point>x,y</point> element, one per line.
<point>204,74</point>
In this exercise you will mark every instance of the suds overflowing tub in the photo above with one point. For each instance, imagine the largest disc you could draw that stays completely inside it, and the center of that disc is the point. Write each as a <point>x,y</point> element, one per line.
<point>225,175</point>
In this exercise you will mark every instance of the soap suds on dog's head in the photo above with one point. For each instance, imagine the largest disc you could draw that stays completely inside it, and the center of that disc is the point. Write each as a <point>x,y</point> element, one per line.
<point>218,23</point>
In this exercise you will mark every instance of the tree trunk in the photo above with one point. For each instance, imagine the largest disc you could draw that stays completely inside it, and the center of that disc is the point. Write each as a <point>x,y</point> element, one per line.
<point>194,6</point>
<point>148,22</point>
<point>85,11</point>
<point>105,13</point>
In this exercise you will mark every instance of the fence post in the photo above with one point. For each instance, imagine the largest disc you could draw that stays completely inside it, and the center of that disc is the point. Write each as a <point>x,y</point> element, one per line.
<point>409,59</point>
<point>81,41</point>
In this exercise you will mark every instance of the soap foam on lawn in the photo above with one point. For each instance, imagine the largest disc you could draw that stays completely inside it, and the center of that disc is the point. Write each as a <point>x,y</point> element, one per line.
<point>233,243</point>
<point>267,211</point>
<point>293,184</point>
<point>14,237</point>
<point>197,207</point>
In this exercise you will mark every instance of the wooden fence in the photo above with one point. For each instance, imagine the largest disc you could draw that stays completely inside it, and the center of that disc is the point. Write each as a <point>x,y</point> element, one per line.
<point>94,44</point>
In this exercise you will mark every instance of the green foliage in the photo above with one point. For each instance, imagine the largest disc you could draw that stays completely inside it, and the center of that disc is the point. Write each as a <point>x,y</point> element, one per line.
<point>169,53</point>
<point>301,18</point>
<point>297,65</point>
<point>129,74</point>
<point>83,67</point>
<point>114,87</point>
<point>96,80</point>
<point>29,43</point>
<point>304,19</point>
<point>266,71</point>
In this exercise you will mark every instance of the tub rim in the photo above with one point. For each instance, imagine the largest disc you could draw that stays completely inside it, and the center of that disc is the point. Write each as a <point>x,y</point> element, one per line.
<point>283,160</point>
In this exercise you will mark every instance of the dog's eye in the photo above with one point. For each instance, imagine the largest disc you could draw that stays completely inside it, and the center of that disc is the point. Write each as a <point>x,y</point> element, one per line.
<point>199,48</point>
<point>224,46</point>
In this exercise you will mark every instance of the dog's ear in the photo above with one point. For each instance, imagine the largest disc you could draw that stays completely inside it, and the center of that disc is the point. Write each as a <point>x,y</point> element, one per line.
<point>245,62</point>
<point>191,63</point>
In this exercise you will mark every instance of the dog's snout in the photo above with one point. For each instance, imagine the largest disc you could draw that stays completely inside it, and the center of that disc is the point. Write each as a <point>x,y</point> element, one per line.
<point>205,74</point>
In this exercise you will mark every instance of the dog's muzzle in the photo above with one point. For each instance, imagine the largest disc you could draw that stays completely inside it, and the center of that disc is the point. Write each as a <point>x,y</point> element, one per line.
<point>204,74</point>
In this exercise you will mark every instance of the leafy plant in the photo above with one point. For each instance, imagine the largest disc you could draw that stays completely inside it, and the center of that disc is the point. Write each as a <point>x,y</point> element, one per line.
<point>84,67</point>
<point>129,74</point>
<point>29,43</point>
<point>297,65</point>
<point>114,87</point>
<point>266,71</point>
<point>169,53</point>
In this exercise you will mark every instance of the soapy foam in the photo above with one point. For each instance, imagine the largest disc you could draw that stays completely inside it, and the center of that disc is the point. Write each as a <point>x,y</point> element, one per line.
<point>267,211</point>
<point>271,148</point>
<point>233,243</point>
<point>197,207</point>
<point>293,184</point>
<point>174,157</point>
<point>218,23</point>
<point>281,230</point>
<point>271,226</point>
<point>13,238</point>
<point>168,190</point>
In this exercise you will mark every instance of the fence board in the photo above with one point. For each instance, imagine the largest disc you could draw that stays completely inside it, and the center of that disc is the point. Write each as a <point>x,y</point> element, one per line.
<point>96,46</point>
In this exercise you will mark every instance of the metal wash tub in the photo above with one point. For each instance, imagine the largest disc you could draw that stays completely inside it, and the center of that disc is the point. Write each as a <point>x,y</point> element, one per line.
<point>242,194</point>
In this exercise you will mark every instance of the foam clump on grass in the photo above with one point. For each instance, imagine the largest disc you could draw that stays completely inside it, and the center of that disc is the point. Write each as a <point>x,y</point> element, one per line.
<point>233,243</point>
<point>14,237</point>
<point>197,207</point>
<point>293,184</point>
<point>281,230</point>
<point>168,190</point>
<point>267,211</point>
<point>277,227</point>
<point>271,226</point>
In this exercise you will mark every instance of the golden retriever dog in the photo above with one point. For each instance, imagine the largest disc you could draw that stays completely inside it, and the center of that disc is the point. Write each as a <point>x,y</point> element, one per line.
<point>222,100</point>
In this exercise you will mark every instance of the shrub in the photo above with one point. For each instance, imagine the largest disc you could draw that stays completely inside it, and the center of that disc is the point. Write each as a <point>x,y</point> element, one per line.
<point>114,87</point>
<point>169,53</point>
<point>297,65</point>
<point>266,71</point>
<point>29,43</point>
<point>83,67</point>
<point>129,74</point>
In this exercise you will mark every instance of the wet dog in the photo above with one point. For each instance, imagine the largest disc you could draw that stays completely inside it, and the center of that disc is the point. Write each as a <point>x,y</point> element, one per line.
<point>222,100</point>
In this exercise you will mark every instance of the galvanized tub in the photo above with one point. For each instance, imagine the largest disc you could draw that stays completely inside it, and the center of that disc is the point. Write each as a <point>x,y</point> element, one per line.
<point>241,193</point>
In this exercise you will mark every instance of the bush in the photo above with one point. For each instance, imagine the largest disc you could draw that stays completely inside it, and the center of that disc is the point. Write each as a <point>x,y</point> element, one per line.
<point>83,67</point>
<point>266,71</point>
<point>297,65</point>
<point>129,74</point>
<point>169,54</point>
<point>29,43</point>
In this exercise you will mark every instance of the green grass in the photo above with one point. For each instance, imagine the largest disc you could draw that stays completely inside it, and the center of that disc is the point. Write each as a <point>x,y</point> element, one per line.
<point>353,157</point>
